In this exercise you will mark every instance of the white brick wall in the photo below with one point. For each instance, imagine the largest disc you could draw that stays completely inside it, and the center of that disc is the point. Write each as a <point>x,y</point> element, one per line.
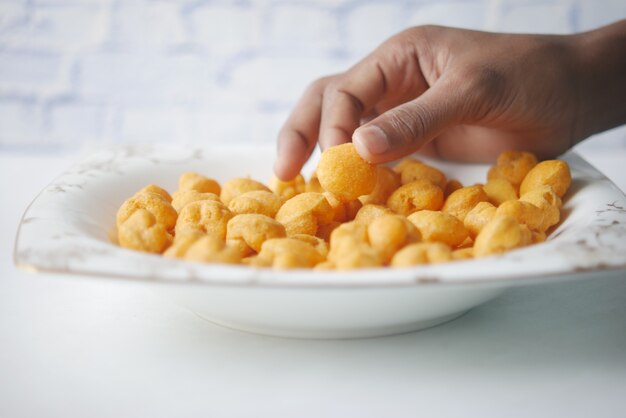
<point>75,71</point>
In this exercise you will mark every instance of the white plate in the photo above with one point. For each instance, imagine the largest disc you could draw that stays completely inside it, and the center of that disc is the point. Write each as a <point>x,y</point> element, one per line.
<point>65,230</point>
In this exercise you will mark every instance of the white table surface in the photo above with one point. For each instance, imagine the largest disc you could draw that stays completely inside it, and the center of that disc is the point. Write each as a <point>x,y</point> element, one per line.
<point>79,347</point>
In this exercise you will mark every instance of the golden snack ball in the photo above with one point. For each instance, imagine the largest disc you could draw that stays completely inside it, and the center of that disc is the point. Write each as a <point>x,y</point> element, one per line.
<point>249,231</point>
<point>422,253</point>
<point>388,233</point>
<point>183,197</point>
<point>554,173</point>
<point>370,212</point>
<point>210,249</point>
<point>387,181</point>
<point>512,166</point>
<point>541,196</point>
<point>313,185</point>
<point>343,211</point>
<point>238,186</point>
<point>402,164</point>
<point>153,188</point>
<point>501,234</point>
<point>354,256</point>
<point>460,202</point>
<point>523,212</point>
<point>548,202</point>
<point>411,170</point>
<point>499,191</point>
<point>466,253</point>
<point>304,213</point>
<point>258,201</point>
<point>451,187</point>
<point>318,243</point>
<point>256,261</point>
<point>289,253</point>
<point>538,237</point>
<point>154,203</point>
<point>181,243</point>
<point>142,232</point>
<point>478,217</point>
<point>287,189</point>
<point>349,248</point>
<point>527,235</point>
<point>207,216</point>
<point>349,232</point>
<point>435,226</point>
<point>343,172</point>
<point>324,231</point>
<point>198,182</point>
<point>418,195</point>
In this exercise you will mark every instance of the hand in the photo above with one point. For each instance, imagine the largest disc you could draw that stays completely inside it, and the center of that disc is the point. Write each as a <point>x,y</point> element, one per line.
<point>457,94</point>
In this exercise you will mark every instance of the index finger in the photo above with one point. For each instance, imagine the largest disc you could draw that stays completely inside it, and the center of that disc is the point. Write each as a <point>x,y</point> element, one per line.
<point>297,138</point>
<point>348,98</point>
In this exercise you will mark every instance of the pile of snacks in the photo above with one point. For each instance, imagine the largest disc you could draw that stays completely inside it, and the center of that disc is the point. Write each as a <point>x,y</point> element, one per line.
<point>350,214</point>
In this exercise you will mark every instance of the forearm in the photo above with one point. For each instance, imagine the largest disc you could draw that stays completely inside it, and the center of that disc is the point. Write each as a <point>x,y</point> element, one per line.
<point>602,79</point>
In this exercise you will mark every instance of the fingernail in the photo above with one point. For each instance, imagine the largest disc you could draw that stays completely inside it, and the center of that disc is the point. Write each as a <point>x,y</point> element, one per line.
<point>373,139</point>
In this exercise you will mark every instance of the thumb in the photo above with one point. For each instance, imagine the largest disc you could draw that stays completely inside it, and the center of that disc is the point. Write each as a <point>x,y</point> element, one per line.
<point>404,129</point>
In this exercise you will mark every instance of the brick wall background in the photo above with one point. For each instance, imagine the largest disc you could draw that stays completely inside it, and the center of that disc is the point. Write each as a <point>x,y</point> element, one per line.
<point>110,71</point>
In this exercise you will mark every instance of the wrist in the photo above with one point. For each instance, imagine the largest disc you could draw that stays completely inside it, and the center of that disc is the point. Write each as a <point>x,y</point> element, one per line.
<point>601,80</point>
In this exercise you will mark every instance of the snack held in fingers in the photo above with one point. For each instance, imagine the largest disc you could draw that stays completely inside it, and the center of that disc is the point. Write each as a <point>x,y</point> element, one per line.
<point>345,174</point>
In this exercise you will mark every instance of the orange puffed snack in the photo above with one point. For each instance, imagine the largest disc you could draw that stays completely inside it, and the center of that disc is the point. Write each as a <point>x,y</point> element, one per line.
<point>503,233</point>
<point>478,217</point>
<point>370,212</point>
<point>548,202</point>
<point>342,211</point>
<point>512,166</point>
<point>304,213</point>
<point>388,233</point>
<point>154,203</point>
<point>313,185</point>
<point>142,232</point>
<point>183,197</point>
<point>435,226</point>
<point>247,232</point>
<point>288,189</point>
<point>422,253</point>
<point>258,201</point>
<point>235,187</point>
<point>199,183</point>
<point>153,188</point>
<point>411,170</point>
<point>210,249</point>
<point>499,191</point>
<point>417,195</point>
<point>349,215</point>
<point>554,173</point>
<point>345,174</point>
<point>289,253</point>
<point>206,216</point>
<point>461,201</point>
<point>387,181</point>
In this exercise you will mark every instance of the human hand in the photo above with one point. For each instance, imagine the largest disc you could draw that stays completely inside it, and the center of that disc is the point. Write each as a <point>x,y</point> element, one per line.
<point>453,93</point>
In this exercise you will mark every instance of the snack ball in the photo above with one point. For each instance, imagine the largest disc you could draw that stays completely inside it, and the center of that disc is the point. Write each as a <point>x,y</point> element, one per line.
<point>345,174</point>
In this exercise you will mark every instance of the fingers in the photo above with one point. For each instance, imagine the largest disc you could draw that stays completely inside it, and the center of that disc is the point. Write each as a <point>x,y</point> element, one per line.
<point>347,99</point>
<point>298,136</point>
<point>329,111</point>
<point>405,128</point>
